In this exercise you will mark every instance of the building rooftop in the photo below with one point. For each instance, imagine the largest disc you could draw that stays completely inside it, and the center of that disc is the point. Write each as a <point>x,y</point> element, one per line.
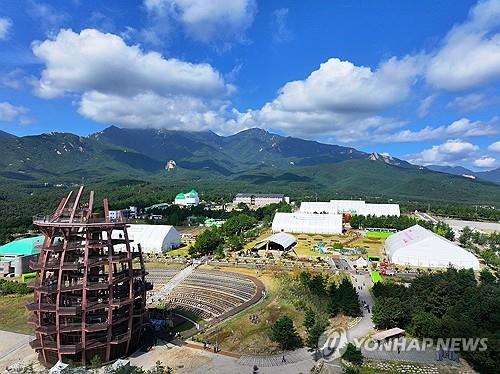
<point>22,246</point>
<point>262,195</point>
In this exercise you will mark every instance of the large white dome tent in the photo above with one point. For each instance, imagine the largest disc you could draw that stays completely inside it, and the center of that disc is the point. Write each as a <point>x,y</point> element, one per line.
<point>306,223</point>
<point>152,238</point>
<point>419,247</point>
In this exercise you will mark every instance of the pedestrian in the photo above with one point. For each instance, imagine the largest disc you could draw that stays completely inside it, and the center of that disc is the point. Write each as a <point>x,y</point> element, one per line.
<point>399,349</point>
<point>283,359</point>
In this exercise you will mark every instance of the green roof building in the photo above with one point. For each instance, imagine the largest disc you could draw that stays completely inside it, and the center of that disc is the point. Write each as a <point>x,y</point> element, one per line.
<point>190,198</point>
<point>15,256</point>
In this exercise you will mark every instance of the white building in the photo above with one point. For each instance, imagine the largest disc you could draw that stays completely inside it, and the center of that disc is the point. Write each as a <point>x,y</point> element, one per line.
<point>152,238</point>
<point>260,199</point>
<point>133,211</point>
<point>417,246</point>
<point>114,215</point>
<point>354,207</point>
<point>190,198</point>
<point>306,223</point>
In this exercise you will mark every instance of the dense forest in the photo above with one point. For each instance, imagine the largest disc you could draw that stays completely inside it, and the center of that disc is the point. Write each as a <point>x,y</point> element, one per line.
<point>448,304</point>
<point>20,201</point>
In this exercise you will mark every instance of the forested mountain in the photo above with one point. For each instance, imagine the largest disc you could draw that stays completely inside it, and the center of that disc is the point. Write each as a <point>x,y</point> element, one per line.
<point>490,175</point>
<point>253,159</point>
<point>6,135</point>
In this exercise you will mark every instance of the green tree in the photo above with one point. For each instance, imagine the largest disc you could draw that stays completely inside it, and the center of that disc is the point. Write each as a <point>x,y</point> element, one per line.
<point>283,332</point>
<point>486,277</point>
<point>353,355</point>
<point>206,242</point>
<point>235,243</point>
<point>95,363</point>
<point>389,312</point>
<point>309,318</point>
<point>159,368</point>
<point>314,334</point>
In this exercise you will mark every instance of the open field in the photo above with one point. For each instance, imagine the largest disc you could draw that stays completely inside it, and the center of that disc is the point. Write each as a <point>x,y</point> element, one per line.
<point>14,315</point>
<point>378,234</point>
<point>374,246</point>
<point>180,252</point>
<point>306,243</point>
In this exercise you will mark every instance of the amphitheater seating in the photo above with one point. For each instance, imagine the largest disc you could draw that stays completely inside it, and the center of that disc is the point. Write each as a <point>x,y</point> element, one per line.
<point>210,293</point>
<point>159,276</point>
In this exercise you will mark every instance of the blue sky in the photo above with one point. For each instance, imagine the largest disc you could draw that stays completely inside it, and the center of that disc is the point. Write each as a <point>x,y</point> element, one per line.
<point>417,79</point>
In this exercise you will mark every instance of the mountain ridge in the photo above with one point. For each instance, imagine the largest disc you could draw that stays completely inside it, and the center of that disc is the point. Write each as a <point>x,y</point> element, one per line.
<point>488,175</point>
<point>252,159</point>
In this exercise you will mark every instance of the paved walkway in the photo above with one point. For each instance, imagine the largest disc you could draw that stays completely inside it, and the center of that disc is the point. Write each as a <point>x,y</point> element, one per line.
<point>292,357</point>
<point>15,349</point>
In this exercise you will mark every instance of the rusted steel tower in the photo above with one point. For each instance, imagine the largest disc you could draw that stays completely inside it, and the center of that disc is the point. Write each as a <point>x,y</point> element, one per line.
<point>90,290</point>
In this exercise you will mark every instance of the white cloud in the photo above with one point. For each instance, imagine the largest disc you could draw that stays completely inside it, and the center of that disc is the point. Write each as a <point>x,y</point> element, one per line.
<point>151,110</point>
<point>281,32</point>
<point>92,60</point>
<point>341,86</point>
<point>339,99</point>
<point>206,21</point>
<point>472,102</point>
<point>463,128</point>
<point>470,53</point>
<point>15,79</point>
<point>123,85</point>
<point>485,162</point>
<point>449,153</point>
<point>13,113</point>
<point>5,25</point>
<point>425,106</point>
<point>494,147</point>
<point>50,18</point>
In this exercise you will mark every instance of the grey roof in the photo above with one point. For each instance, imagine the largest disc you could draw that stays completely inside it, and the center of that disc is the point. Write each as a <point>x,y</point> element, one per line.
<point>283,239</point>
<point>262,195</point>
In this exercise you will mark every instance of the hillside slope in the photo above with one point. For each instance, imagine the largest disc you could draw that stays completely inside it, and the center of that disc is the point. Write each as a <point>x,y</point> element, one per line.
<point>253,160</point>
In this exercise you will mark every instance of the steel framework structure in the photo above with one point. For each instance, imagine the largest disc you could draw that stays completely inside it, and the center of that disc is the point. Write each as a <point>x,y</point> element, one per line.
<point>90,290</point>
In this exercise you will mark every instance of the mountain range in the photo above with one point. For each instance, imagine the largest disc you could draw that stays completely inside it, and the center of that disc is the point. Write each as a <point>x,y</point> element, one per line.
<point>253,159</point>
<point>490,175</point>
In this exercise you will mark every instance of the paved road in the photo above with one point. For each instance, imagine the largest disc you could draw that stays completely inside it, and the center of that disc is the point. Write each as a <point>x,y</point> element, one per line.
<point>365,325</point>
<point>482,226</point>
<point>15,348</point>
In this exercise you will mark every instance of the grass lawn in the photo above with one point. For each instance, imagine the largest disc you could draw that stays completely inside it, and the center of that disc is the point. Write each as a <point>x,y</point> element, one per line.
<point>184,326</point>
<point>374,246</point>
<point>181,252</point>
<point>376,277</point>
<point>14,315</point>
<point>307,243</point>
<point>378,234</point>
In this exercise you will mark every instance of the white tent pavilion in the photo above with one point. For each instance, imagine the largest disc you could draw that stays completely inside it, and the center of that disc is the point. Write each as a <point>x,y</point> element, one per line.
<point>306,223</point>
<point>417,246</point>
